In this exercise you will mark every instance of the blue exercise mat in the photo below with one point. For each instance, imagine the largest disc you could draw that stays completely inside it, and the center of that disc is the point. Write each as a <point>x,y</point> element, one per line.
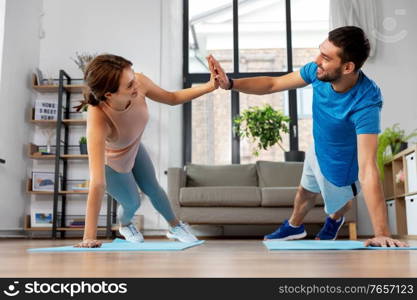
<point>123,245</point>
<point>325,245</point>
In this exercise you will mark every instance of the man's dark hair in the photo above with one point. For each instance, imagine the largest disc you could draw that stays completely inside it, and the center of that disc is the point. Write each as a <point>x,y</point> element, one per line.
<point>353,43</point>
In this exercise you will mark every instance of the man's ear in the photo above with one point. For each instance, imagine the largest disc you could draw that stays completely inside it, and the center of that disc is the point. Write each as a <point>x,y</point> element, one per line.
<point>349,67</point>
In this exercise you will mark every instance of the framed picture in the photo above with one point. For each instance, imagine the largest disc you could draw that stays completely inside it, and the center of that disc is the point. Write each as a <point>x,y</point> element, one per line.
<point>77,185</point>
<point>41,218</point>
<point>43,181</point>
<point>39,76</point>
<point>46,109</point>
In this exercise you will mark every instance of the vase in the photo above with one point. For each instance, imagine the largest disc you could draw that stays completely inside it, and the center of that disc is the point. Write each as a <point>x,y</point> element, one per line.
<point>294,155</point>
<point>83,149</point>
<point>403,146</point>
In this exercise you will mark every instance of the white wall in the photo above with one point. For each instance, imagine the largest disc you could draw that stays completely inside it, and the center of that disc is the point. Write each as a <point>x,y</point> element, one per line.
<point>19,58</point>
<point>393,69</point>
<point>171,79</point>
<point>394,65</point>
<point>2,13</point>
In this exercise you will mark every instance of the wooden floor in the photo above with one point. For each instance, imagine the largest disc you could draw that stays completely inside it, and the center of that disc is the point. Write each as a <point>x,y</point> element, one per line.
<point>215,258</point>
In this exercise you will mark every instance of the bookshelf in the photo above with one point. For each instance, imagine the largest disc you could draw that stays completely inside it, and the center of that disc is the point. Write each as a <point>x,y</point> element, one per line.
<point>61,155</point>
<point>400,190</point>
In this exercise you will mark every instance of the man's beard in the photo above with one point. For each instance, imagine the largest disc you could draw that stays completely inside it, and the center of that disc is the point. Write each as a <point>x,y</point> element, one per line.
<point>331,77</point>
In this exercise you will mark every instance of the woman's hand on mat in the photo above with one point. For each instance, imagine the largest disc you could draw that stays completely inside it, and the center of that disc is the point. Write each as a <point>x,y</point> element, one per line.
<point>218,73</point>
<point>88,243</point>
<point>384,241</point>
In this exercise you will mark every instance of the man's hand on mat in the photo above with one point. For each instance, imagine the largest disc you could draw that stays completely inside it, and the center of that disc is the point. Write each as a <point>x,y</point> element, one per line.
<point>88,244</point>
<point>218,72</point>
<point>384,241</point>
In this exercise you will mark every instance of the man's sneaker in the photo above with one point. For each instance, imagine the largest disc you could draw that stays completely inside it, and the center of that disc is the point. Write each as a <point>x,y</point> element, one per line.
<point>286,232</point>
<point>330,229</point>
<point>182,232</point>
<point>131,234</point>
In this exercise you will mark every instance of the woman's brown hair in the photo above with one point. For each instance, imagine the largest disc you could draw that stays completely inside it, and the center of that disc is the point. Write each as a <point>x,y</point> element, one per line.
<point>102,75</point>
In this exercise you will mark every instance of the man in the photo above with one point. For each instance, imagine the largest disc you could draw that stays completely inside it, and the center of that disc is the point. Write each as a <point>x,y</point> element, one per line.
<point>346,123</point>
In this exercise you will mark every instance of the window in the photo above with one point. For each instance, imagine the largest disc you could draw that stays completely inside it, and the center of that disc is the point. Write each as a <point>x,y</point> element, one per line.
<point>310,25</point>
<point>278,101</point>
<point>210,30</point>
<point>211,127</point>
<point>249,38</point>
<point>262,36</point>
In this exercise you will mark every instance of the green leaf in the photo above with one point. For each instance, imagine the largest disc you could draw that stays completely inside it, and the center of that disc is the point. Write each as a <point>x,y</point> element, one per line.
<point>391,138</point>
<point>263,126</point>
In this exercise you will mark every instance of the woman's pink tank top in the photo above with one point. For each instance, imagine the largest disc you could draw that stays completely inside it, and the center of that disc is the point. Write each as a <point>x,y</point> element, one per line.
<point>127,127</point>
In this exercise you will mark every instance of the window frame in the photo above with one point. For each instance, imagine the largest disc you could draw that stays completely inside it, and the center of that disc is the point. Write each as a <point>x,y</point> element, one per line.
<point>194,78</point>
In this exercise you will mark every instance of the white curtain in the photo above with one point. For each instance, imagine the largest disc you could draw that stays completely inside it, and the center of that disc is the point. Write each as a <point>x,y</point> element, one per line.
<point>171,79</point>
<point>361,13</point>
<point>171,44</point>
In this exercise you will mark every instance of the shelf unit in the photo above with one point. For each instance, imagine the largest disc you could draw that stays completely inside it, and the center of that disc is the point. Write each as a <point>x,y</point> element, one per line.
<point>65,122</point>
<point>27,227</point>
<point>34,153</point>
<point>396,191</point>
<point>61,157</point>
<point>55,88</point>
<point>100,230</point>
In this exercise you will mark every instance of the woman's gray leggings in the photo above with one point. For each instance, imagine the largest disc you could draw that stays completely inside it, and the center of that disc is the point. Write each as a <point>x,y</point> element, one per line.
<point>124,188</point>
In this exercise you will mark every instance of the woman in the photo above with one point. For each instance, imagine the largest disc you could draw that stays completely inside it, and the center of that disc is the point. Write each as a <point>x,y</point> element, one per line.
<point>118,162</point>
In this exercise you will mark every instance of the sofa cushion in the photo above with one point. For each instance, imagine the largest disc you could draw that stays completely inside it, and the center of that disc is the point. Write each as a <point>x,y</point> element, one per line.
<point>220,196</point>
<point>221,175</point>
<point>282,197</point>
<point>279,174</point>
<point>278,196</point>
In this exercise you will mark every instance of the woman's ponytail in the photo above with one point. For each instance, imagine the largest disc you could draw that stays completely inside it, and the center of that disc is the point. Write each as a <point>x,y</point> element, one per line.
<point>102,75</point>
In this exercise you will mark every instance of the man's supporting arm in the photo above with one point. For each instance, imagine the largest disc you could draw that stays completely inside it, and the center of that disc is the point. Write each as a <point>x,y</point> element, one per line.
<point>372,191</point>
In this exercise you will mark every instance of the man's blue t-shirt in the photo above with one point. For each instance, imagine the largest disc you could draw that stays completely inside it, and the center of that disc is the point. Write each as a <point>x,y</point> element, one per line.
<point>337,120</point>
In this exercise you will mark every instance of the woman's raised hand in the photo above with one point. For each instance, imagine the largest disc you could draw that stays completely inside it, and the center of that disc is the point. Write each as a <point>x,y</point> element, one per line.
<point>213,83</point>
<point>218,73</point>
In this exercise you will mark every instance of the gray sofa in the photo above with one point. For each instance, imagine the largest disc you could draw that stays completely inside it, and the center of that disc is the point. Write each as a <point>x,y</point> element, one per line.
<point>261,193</point>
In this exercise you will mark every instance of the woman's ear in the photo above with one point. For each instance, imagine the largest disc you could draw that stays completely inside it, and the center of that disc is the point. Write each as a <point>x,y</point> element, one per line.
<point>108,95</point>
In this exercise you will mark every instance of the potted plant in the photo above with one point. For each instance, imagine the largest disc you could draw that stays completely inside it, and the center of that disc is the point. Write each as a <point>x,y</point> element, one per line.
<point>82,59</point>
<point>82,108</point>
<point>84,111</point>
<point>83,145</point>
<point>264,127</point>
<point>394,139</point>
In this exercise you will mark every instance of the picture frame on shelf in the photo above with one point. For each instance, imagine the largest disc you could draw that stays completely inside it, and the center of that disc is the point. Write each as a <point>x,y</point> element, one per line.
<point>78,185</point>
<point>41,218</point>
<point>46,110</point>
<point>47,149</point>
<point>43,181</point>
<point>39,77</point>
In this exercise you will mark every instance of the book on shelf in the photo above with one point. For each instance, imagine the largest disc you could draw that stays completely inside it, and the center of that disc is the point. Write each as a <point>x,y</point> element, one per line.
<point>76,225</point>
<point>79,221</point>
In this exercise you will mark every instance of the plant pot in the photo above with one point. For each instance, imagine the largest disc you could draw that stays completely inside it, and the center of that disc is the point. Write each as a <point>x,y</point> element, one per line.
<point>83,149</point>
<point>404,145</point>
<point>294,155</point>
